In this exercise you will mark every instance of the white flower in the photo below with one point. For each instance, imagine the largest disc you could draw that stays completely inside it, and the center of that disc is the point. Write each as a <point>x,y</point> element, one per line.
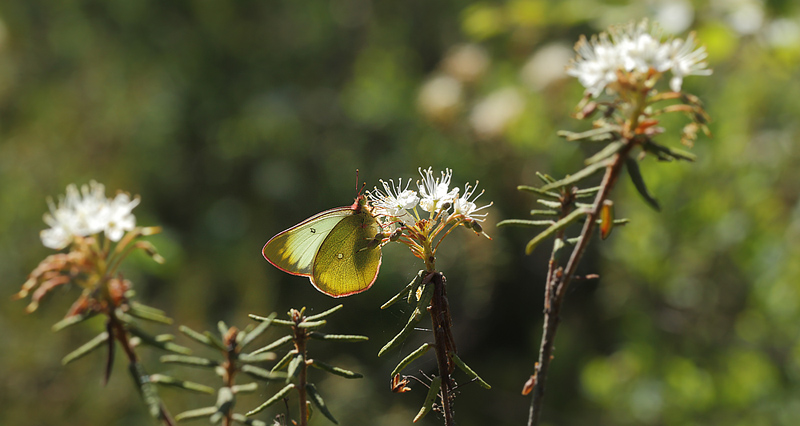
<point>395,201</point>
<point>466,207</point>
<point>634,49</point>
<point>88,212</point>
<point>118,217</point>
<point>686,61</point>
<point>435,192</point>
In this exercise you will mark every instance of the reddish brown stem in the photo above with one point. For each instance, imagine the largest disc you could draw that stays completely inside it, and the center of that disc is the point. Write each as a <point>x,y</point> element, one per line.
<point>443,342</point>
<point>300,337</point>
<point>121,335</point>
<point>558,280</point>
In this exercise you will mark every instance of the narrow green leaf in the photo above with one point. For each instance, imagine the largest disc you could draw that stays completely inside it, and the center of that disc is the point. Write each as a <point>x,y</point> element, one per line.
<point>199,337</point>
<point>85,348</point>
<point>316,399</point>
<point>312,324</point>
<point>245,421</point>
<point>215,341</point>
<point>322,315</point>
<point>416,316</point>
<point>638,182</point>
<point>284,361</point>
<point>259,357</point>
<point>261,373</point>
<point>550,204</point>
<point>587,192</point>
<point>275,398</point>
<point>222,328</point>
<point>672,153</point>
<point>544,212</point>
<point>609,150</point>
<point>148,313</point>
<point>153,341</point>
<point>72,320</point>
<point>258,330</point>
<point>524,222</point>
<point>340,337</point>
<point>196,413</point>
<point>535,190</point>
<point>577,213</point>
<point>433,392</point>
<point>335,370</point>
<point>578,176</point>
<point>147,389</point>
<point>402,294</point>
<point>192,361</point>
<point>410,358</point>
<point>545,178</point>
<point>598,134</point>
<point>225,401</point>
<point>163,380</point>
<point>294,364</point>
<point>283,340</point>
<point>470,373</point>
<point>245,388</point>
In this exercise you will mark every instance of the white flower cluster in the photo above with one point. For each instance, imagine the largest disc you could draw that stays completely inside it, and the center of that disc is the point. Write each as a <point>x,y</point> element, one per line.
<point>635,49</point>
<point>399,202</point>
<point>88,212</point>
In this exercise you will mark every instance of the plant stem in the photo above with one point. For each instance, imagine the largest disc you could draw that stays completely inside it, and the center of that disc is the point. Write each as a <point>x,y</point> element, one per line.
<point>300,337</point>
<point>444,343</point>
<point>121,335</point>
<point>559,279</point>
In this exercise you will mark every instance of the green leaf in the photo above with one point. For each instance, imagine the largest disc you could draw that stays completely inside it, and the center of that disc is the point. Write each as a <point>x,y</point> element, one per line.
<point>609,150</point>
<point>596,135</point>
<point>544,212</point>
<point>245,421</point>
<point>146,388</point>
<point>578,176</point>
<point>192,361</point>
<point>312,324</point>
<point>283,340</point>
<point>294,364</point>
<point>285,360</point>
<point>261,373</point>
<point>222,328</point>
<point>199,337</point>
<point>335,370</point>
<point>577,213</point>
<point>196,413</point>
<point>538,191</point>
<point>84,349</point>
<point>416,316</point>
<point>410,287</point>
<point>525,222</point>
<point>148,313</point>
<point>153,341</point>
<point>410,358</point>
<point>433,392</point>
<point>340,337</point>
<point>163,380</point>
<point>246,388</point>
<point>317,400</point>
<point>259,357</point>
<point>667,153</point>
<point>638,182</point>
<point>322,315</point>
<point>72,320</point>
<point>470,373</point>
<point>275,398</point>
<point>258,330</point>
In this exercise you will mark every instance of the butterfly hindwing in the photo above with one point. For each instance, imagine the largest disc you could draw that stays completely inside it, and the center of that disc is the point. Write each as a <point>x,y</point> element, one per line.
<point>294,249</point>
<point>346,263</point>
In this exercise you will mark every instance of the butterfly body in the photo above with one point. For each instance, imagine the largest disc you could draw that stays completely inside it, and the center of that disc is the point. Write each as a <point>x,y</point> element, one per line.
<point>334,249</point>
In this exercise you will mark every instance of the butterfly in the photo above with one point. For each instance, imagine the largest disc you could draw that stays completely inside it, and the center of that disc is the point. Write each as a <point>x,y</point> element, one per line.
<point>339,250</point>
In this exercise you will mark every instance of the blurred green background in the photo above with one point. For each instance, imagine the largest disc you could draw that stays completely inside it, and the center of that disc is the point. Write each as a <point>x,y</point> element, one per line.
<point>235,120</point>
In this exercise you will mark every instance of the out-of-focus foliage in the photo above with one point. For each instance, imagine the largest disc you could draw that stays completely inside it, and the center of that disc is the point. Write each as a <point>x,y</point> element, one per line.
<point>235,120</point>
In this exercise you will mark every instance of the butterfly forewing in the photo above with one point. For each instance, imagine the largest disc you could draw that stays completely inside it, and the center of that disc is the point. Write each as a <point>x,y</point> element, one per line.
<point>346,262</point>
<point>294,249</point>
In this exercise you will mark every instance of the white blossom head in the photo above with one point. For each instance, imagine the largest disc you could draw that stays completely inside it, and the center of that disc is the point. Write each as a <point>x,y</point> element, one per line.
<point>394,201</point>
<point>85,213</point>
<point>435,192</point>
<point>635,50</point>
<point>466,208</point>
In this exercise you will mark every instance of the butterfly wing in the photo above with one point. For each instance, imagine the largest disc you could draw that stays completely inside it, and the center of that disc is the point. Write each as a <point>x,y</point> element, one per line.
<point>346,263</point>
<point>294,249</point>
